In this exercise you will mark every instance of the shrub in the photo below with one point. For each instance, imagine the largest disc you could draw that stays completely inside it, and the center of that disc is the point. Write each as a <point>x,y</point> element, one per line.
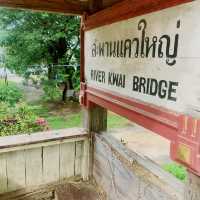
<point>4,109</point>
<point>10,93</point>
<point>177,170</point>
<point>76,80</point>
<point>51,91</point>
<point>19,120</point>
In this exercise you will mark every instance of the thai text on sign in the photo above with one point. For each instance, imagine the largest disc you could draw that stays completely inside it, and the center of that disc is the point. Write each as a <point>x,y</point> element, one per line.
<point>153,58</point>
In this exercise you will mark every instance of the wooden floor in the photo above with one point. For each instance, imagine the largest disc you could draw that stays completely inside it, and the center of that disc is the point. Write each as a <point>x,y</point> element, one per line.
<point>72,190</point>
<point>79,191</point>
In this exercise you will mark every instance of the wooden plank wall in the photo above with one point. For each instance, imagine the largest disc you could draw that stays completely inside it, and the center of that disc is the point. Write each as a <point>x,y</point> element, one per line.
<point>125,175</point>
<point>42,164</point>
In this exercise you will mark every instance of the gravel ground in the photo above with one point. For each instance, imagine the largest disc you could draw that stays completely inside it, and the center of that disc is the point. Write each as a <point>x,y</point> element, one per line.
<point>31,93</point>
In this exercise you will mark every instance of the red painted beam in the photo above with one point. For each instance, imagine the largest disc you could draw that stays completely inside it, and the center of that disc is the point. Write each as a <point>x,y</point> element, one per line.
<point>127,9</point>
<point>161,121</point>
<point>60,6</point>
<point>183,131</point>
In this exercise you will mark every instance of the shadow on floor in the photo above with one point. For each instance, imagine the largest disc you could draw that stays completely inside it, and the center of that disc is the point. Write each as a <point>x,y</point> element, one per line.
<point>79,191</point>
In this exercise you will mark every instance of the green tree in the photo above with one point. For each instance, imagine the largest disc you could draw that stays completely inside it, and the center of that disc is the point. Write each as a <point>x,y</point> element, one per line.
<point>41,41</point>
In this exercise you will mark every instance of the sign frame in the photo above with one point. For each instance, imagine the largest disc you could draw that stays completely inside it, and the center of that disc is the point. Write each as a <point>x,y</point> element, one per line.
<point>183,131</point>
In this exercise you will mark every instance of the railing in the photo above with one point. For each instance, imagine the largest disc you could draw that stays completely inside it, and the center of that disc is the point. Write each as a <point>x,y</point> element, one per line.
<point>124,174</point>
<point>43,158</point>
<point>35,164</point>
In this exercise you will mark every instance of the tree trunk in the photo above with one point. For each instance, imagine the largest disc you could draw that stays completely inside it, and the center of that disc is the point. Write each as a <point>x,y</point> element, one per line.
<point>64,93</point>
<point>67,84</point>
<point>50,72</point>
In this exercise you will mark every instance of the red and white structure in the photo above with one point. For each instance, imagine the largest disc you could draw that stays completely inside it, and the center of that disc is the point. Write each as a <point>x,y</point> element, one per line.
<point>141,60</point>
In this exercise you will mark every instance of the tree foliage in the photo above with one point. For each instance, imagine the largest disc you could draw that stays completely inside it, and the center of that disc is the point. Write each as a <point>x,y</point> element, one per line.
<point>40,40</point>
<point>10,93</point>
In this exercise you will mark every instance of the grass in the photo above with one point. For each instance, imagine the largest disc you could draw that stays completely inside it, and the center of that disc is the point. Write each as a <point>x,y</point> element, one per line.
<point>116,121</point>
<point>10,83</point>
<point>177,170</point>
<point>59,122</point>
<point>10,93</point>
<point>74,120</point>
<point>40,110</point>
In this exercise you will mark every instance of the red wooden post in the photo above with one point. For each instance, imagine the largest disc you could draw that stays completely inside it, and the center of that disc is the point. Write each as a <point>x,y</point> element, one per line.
<point>186,148</point>
<point>95,116</point>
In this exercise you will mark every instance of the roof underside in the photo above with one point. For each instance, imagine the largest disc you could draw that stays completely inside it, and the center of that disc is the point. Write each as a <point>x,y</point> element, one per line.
<point>77,7</point>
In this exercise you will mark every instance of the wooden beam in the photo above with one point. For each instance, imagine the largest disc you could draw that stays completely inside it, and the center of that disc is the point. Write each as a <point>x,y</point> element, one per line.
<point>78,2</point>
<point>60,6</point>
<point>107,3</point>
<point>127,9</point>
<point>95,5</point>
<point>21,141</point>
<point>95,120</point>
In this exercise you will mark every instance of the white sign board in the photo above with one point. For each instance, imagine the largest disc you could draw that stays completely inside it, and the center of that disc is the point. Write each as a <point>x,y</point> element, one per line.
<point>154,58</point>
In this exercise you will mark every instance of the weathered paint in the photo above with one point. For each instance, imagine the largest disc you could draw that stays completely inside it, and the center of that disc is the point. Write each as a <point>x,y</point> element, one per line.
<point>44,162</point>
<point>126,175</point>
<point>174,76</point>
<point>173,68</point>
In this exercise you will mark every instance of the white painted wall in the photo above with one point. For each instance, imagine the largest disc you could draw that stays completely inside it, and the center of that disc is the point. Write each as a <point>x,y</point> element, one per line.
<point>186,71</point>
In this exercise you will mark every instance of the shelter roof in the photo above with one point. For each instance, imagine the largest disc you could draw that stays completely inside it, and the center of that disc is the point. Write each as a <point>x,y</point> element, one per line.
<point>76,7</point>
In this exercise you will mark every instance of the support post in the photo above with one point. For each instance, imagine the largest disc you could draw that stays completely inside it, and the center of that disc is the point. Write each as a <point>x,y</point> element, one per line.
<point>192,187</point>
<point>95,120</point>
<point>85,161</point>
<point>95,117</point>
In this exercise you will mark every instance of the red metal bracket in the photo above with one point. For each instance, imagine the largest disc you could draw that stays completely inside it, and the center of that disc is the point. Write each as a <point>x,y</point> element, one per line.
<point>83,97</point>
<point>183,131</point>
<point>186,148</point>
